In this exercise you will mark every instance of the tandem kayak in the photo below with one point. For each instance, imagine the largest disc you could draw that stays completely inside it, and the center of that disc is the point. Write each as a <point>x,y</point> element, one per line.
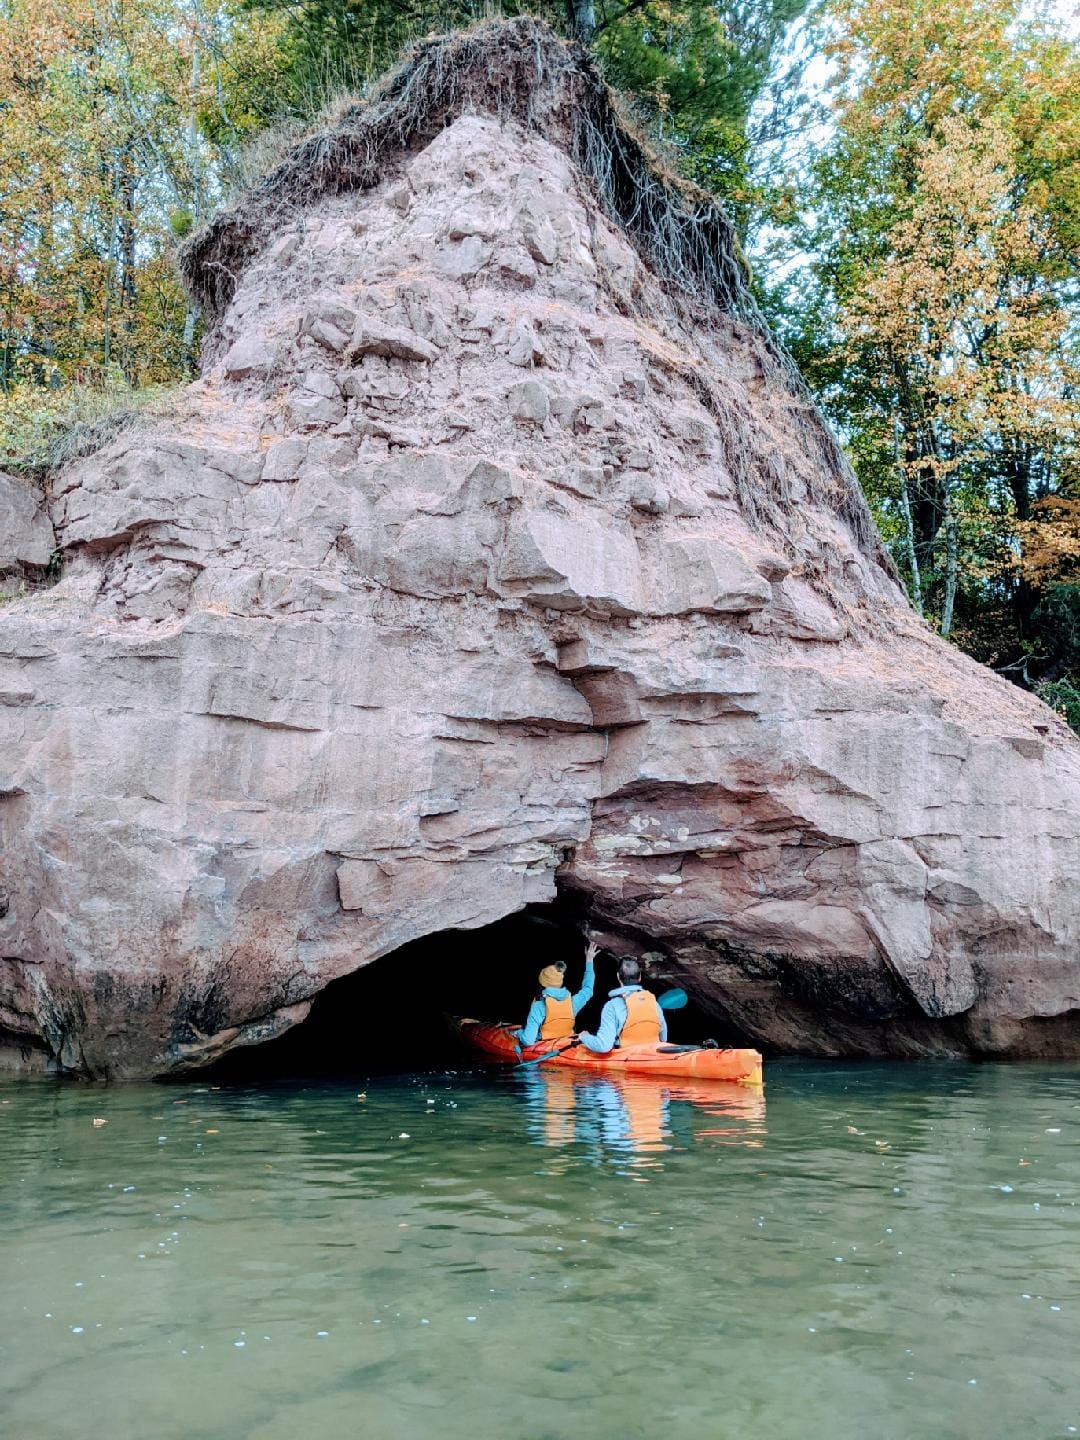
<point>496,1041</point>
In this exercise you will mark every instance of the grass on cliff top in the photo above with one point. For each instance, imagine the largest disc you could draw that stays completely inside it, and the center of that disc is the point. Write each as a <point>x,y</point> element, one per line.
<point>42,429</point>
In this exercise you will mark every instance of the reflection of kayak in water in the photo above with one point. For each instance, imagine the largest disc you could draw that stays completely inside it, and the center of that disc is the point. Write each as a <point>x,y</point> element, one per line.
<point>635,1110</point>
<point>741,1067</point>
<point>620,1114</point>
<point>723,1098</point>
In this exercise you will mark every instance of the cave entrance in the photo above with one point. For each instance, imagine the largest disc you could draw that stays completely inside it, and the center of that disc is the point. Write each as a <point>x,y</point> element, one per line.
<point>389,1017</point>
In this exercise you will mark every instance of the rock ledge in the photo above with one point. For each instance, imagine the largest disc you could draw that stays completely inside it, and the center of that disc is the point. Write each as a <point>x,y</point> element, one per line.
<point>485,560</point>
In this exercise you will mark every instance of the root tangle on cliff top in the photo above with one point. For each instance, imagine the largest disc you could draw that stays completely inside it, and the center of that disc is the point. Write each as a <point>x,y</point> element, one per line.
<point>515,70</point>
<point>520,70</point>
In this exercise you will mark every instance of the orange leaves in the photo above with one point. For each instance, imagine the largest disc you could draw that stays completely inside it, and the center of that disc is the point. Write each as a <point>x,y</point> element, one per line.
<point>947,209</point>
<point>34,33</point>
<point>943,294</point>
<point>923,59</point>
<point>1051,542</point>
<point>960,298</point>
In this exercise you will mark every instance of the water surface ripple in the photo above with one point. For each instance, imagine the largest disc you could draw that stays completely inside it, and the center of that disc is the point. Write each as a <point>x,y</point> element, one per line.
<point>886,1251</point>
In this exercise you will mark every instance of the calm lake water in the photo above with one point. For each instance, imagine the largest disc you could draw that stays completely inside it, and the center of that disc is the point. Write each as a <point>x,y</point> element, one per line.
<point>867,1251</point>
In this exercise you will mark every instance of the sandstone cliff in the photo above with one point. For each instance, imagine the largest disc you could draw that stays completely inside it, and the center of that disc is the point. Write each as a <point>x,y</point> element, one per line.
<point>497,550</point>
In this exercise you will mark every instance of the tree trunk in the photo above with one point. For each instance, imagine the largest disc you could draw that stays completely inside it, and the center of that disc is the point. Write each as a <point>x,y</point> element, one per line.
<point>5,356</point>
<point>1025,597</point>
<point>111,268</point>
<point>951,565</point>
<point>190,320</point>
<point>128,292</point>
<point>923,490</point>
<point>909,523</point>
<point>41,339</point>
<point>194,156</point>
<point>582,17</point>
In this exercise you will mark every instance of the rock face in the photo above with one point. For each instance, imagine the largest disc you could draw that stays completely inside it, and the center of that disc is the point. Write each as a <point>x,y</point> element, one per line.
<point>473,567</point>
<point>26,537</point>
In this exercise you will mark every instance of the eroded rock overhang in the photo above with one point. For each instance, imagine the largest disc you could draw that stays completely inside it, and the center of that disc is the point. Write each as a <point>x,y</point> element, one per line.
<point>482,560</point>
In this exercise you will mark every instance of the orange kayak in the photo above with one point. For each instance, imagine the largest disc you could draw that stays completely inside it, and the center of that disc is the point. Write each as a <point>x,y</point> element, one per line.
<point>740,1067</point>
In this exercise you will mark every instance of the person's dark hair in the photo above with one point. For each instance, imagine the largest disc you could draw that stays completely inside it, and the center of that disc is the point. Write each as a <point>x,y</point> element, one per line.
<point>629,971</point>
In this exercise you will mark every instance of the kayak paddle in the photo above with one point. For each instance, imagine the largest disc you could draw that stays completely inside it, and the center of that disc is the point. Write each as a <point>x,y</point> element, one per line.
<point>539,1059</point>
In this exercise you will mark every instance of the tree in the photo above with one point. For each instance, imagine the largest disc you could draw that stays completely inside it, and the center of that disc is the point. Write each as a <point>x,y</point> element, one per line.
<point>941,324</point>
<point>105,155</point>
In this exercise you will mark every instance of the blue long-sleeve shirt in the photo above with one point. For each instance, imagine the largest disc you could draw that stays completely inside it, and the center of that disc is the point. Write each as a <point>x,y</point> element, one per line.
<point>612,1020</point>
<point>530,1032</point>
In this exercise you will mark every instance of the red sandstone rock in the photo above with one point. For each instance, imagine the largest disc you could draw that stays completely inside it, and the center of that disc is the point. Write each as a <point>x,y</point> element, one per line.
<point>26,537</point>
<point>380,631</point>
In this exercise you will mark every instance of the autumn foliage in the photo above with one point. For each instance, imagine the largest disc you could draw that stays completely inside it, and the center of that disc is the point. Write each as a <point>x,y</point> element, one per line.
<point>940,324</point>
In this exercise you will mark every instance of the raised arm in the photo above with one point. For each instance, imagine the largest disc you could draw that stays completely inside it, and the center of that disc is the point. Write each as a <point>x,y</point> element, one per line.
<point>585,993</point>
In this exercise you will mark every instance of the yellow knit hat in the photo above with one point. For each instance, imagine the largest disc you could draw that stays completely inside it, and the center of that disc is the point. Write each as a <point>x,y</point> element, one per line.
<point>551,977</point>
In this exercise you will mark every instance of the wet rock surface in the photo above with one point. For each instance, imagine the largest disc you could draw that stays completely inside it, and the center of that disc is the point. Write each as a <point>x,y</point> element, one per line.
<point>452,583</point>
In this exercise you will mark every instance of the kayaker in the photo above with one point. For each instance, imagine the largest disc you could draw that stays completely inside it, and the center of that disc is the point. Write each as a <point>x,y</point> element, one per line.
<point>551,1015</point>
<point>631,1015</point>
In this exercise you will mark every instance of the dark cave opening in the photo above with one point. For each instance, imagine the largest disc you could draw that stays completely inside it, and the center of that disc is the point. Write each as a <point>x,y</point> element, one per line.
<point>390,1017</point>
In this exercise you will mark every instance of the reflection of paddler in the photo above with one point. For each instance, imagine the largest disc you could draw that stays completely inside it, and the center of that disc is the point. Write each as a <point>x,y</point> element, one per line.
<point>551,1015</point>
<point>559,1098</point>
<point>628,1113</point>
<point>620,1113</point>
<point>638,1113</point>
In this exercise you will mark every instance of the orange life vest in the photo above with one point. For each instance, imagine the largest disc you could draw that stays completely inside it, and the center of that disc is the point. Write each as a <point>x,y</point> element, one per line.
<point>642,1019</point>
<point>558,1019</point>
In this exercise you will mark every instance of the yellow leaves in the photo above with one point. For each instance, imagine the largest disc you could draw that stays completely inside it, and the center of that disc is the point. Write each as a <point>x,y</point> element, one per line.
<point>919,61</point>
<point>1051,542</point>
<point>100,109</point>
<point>958,306</point>
<point>944,267</point>
<point>951,193</point>
<point>33,33</point>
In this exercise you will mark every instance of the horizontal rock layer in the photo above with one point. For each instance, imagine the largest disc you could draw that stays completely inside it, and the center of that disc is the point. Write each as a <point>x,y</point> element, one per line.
<point>471,569</point>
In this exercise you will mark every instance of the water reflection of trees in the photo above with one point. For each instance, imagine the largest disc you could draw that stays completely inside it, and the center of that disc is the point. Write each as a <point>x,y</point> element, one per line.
<point>626,1119</point>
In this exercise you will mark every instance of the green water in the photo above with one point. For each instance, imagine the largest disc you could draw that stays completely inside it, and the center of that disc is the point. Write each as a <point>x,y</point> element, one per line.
<point>860,1254</point>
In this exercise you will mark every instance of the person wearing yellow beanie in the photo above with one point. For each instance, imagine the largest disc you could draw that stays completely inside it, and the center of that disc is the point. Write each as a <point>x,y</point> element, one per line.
<point>552,1014</point>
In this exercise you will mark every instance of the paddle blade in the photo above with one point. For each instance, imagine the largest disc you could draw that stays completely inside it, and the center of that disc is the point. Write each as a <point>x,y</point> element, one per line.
<point>672,999</point>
